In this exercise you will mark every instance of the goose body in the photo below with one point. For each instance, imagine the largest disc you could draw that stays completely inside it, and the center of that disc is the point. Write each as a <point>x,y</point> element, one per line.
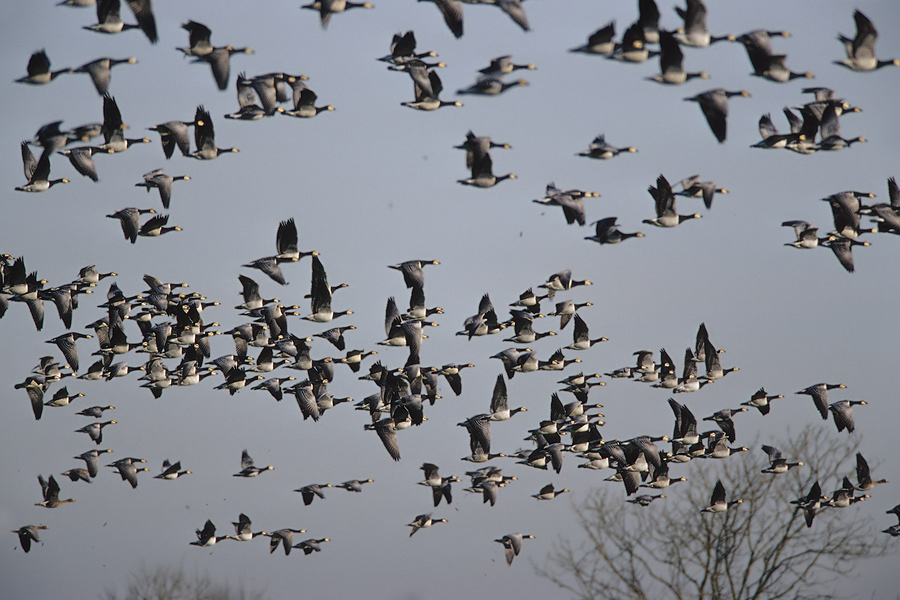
<point>423,521</point>
<point>27,535</point>
<point>37,171</point>
<point>39,71</point>
<point>512,545</point>
<point>717,503</point>
<point>666,215</point>
<point>50,492</point>
<point>600,42</point>
<point>714,105</point>
<point>842,411</point>
<point>204,137</point>
<point>207,536</point>
<point>326,8</point>
<point>249,468</point>
<point>159,180</point>
<point>100,71</point>
<point>861,49</point>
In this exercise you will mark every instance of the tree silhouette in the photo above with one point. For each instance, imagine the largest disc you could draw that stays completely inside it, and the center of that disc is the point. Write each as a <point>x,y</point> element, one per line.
<point>171,583</point>
<point>760,549</point>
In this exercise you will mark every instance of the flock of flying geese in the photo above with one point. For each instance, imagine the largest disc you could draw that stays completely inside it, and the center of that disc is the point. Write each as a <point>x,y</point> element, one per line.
<point>173,328</point>
<point>846,208</point>
<point>177,339</point>
<point>260,96</point>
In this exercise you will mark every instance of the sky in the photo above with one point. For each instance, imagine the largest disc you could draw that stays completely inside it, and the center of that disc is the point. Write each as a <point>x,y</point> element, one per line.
<point>373,184</point>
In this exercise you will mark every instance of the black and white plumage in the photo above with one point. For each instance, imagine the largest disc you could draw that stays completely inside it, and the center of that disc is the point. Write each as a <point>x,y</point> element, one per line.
<point>500,410</point>
<point>512,544</point>
<point>483,173</point>
<point>842,411</point>
<point>305,104</point>
<point>412,271</point>
<point>311,545</point>
<point>422,521</point>
<point>219,60</point>
<point>807,235</point>
<point>37,171</point>
<point>273,386</point>
<point>128,471</point>
<point>172,134</point>
<point>427,88</point>
<point>830,129</point>
<point>39,70</point>
<point>243,531</point>
<point>762,401</point>
<point>198,38</point>
<point>694,32</point>
<point>207,536</point>
<point>249,468</point>
<point>765,62</point>
<point>602,150</point>
<point>810,503</point>
<point>861,49</point>
<point>311,491</point>
<point>664,203</point>
<point>572,203</point>
<point>171,471</point>
<point>100,71</point>
<point>714,104</point>
<point>94,412</point>
<point>320,294</point>
<point>82,159</point>
<point>633,47</point>
<point>846,208</point>
<point>269,266</point>
<point>451,373</point>
<point>717,502</point>
<point>335,335</point>
<point>692,187</point>
<point>162,182</point>
<point>777,462</point>
<point>326,8</point>
<point>723,418</point>
<point>205,137</point>
<point>548,492</point>
<point>671,60</point>
<point>843,251</point>
<point>484,322</point>
<point>819,395</point>
<point>285,537</point>
<point>479,428</point>
<point>109,18</point>
<point>523,325</point>
<point>601,41</point>
<point>66,345</point>
<point>95,430</point>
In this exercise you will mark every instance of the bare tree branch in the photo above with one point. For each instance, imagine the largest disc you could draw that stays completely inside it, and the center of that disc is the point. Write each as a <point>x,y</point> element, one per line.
<point>759,549</point>
<point>172,583</point>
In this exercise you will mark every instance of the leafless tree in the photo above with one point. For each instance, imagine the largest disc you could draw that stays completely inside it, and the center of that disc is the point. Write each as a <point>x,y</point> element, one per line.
<point>761,549</point>
<point>169,583</point>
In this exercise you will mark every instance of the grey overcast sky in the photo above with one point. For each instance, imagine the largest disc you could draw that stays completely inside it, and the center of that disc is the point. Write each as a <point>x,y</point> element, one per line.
<point>374,183</point>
